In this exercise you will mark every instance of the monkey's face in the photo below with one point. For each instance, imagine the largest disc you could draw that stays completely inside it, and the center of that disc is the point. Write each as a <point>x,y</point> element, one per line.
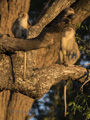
<point>23,16</point>
<point>70,13</point>
<point>23,19</point>
<point>68,32</point>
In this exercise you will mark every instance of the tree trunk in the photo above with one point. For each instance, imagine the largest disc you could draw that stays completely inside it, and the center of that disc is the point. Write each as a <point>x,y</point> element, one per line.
<point>14,106</point>
<point>9,12</point>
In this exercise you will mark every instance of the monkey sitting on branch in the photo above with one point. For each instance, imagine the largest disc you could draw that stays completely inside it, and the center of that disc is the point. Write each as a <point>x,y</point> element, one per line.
<point>20,30</point>
<point>69,51</point>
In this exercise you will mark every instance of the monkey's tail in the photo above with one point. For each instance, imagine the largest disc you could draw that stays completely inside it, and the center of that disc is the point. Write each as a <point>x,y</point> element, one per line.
<point>65,100</point>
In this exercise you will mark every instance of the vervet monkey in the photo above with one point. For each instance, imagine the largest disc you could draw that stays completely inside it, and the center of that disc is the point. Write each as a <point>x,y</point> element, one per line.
<point>20,30</point>
<point>69,52</point>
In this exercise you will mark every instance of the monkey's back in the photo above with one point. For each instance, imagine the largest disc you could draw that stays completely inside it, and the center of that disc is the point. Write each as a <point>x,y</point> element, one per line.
<point>69,52</point>
<point>19,31</point>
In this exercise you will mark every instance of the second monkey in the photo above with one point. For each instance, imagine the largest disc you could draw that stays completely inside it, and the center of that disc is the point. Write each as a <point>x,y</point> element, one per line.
<point>20,30</point>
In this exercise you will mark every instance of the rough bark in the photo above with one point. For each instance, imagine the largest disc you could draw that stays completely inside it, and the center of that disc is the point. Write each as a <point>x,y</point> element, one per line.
<point>82,11</point>
<point>4,98</point>
<point>14,106</point>
<point>15,44</point>
<point>9,12</point>
<point>18,107</point>
<point>41,80</point>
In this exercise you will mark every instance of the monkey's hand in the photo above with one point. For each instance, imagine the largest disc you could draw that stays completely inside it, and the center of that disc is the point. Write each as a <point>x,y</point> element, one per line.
<point>65,64</point>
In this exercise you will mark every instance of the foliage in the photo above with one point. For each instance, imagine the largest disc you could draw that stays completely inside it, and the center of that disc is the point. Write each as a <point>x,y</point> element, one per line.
<point>80,105</point>
<point>83,37</point>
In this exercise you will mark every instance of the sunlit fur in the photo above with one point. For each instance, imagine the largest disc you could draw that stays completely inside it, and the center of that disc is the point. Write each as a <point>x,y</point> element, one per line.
<point>69,52</point>
<point>20,30</point>
<point>23,18</point>
<point>20,26</point>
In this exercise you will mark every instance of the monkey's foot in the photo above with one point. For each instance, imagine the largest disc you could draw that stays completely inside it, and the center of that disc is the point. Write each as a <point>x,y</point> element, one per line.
<point>65,64</point>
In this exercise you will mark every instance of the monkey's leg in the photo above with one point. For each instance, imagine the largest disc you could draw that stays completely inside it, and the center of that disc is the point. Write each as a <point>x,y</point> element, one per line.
<point>65,57</point>
<point>61,56</point>
<point>24,64</point>
<point>65,101</point>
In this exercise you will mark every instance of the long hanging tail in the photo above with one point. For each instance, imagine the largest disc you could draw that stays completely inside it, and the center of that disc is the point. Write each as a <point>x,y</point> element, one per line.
<point>65,100</point>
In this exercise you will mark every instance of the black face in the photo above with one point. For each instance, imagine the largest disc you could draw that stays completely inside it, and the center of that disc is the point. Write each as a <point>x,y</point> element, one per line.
<point>71,16</point>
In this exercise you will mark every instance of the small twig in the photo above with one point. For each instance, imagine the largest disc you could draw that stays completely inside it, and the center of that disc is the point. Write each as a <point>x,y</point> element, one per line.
<point>85,64</point>
<point>31,116</point>
<point>86,80</point>
<point>84,84</point>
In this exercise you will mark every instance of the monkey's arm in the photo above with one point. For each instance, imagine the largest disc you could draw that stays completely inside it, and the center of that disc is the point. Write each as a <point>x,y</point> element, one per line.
<point>74,54</point>
<point>25,33</point>
<point>61,56</point>
<point>17,31</point>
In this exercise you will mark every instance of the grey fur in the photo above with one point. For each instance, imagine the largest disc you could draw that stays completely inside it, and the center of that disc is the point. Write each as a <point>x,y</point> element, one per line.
<point>69,51</point>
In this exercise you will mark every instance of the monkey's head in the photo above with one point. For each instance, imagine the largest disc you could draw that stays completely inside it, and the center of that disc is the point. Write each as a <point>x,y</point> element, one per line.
<point>68,32</point>
<point>70,13</point>
<point>23,19</point>
<point>23,15</point>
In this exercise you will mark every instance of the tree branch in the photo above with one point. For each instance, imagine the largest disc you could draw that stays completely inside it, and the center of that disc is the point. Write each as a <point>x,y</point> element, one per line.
<point>41,80</point>
<point>51,13</point>
<point>82,11</point>
<point>15,44</point>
